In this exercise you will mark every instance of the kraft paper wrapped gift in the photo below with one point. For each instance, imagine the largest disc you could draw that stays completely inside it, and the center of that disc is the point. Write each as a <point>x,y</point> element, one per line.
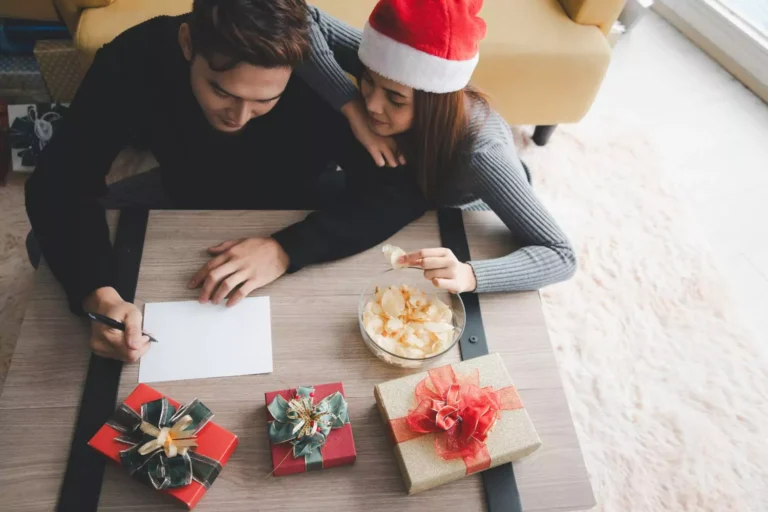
<point>454,421</point>
<point>174,449</point>
<point>60,67</point>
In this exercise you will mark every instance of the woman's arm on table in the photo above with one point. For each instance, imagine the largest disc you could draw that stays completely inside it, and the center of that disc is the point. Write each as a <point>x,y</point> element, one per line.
<point>546,255</point>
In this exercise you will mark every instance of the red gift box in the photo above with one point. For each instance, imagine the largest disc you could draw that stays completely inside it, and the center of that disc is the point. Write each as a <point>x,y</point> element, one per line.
<point>339,449</point>
<point>5,150</point>
<point>212,441</point>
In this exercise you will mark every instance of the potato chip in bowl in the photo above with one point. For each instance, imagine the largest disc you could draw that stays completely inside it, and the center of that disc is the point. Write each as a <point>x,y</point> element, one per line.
<point>406,321</point>
<point>392,254</point>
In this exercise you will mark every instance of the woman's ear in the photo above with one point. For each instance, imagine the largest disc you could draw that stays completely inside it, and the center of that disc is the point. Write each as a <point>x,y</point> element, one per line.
<point>185,41</point>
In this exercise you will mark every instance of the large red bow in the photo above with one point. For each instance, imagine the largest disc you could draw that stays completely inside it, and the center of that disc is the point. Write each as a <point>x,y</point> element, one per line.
<point>459,412</point>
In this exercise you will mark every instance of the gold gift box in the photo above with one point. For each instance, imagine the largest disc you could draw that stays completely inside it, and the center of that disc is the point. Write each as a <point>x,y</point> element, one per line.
<point>512,436</point>
<point>61,69</point>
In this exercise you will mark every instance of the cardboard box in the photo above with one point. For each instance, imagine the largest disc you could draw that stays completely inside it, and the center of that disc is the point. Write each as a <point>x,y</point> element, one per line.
<point>339,447</point>
<point>455,420</point>
<point>213,442</point>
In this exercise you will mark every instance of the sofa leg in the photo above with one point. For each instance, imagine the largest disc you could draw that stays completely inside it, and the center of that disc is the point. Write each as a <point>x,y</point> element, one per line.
<point>542,133</point>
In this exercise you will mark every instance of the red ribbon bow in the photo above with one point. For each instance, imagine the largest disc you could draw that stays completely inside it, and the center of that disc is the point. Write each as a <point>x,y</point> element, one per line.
<point>459,412</point>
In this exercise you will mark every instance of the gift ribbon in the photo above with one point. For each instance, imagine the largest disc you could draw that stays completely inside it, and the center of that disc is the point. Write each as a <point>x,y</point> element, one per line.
<point>32,132</point>
<point>160,439</point>
<point>172,440</point>
<point>306,425</point>
<point>459,412</point>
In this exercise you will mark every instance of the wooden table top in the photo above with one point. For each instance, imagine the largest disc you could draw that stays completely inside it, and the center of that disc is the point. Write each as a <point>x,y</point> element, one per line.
<point>316,340</point>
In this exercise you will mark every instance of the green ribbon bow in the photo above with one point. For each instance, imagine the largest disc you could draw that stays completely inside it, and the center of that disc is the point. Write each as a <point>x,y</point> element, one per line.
<point>306,425</point>
<point>160,439</point>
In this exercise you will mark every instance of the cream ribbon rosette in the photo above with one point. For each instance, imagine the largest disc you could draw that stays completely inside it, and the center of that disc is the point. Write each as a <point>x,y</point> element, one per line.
<point>405,321</point>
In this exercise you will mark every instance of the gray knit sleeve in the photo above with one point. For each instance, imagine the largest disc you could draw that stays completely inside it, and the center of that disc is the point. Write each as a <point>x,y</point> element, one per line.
<point>334,49</point>
<point>546,255</point>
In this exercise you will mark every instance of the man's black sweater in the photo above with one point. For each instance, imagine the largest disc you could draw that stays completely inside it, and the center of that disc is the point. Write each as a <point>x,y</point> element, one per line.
<point>138,90</point>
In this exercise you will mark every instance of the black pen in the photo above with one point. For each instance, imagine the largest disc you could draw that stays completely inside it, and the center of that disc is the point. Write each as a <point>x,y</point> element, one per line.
<point>109,322</point>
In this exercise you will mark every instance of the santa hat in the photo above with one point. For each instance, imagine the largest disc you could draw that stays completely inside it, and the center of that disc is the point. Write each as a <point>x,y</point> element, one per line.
<point>430,45</point>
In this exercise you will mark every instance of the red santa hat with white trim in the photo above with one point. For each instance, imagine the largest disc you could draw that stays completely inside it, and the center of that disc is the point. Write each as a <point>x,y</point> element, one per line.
<point>430,45</point>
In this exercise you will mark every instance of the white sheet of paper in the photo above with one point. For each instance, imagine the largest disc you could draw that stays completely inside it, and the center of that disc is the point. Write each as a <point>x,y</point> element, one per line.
<point>197,341</point>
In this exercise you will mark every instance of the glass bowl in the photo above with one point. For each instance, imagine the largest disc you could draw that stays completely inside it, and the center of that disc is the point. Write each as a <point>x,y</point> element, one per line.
<point>413,277</point>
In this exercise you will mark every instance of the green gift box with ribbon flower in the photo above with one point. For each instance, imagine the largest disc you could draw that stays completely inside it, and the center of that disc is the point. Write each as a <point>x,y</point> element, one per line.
<point>171,448</point>
<point>454,421</point>
<point>309,429</point>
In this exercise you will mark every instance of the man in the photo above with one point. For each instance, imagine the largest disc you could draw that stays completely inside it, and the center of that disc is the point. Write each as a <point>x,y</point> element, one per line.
<point>213,96</point>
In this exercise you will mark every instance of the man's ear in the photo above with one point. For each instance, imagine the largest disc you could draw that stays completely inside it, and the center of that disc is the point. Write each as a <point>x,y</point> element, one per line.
<point>185,41</point>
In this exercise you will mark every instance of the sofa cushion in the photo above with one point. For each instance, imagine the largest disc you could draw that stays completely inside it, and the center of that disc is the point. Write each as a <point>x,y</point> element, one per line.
<point>538,65</point>
<point>41,10</point>
<point>98,26</point>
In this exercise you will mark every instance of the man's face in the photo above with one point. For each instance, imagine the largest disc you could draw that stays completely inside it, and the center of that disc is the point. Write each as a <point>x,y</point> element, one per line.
<point>231,98</point>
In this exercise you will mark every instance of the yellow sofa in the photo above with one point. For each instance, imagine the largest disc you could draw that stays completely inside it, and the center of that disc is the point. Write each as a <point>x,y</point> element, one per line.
<point>39,10</point>
<point>542,62</point>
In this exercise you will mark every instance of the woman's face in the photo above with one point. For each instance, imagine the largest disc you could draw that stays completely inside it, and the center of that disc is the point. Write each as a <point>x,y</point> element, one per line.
<point>389,104</point>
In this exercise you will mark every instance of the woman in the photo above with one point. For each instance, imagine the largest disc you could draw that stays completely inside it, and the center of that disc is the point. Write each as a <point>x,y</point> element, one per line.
<point>415,60</point>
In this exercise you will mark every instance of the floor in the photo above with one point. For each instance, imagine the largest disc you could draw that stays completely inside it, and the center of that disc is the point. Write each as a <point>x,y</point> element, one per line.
<point>712,130</point>
<point>714,134</point>
<point>16,278</point>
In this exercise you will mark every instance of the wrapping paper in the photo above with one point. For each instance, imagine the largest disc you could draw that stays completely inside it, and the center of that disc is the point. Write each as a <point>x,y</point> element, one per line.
<point>31,128</point>
<point>337,450</point>
<point>60,67</point>
<point>212,442</point>
<point>422,456</point>
<point>21,80</point>
<point>5,150</point>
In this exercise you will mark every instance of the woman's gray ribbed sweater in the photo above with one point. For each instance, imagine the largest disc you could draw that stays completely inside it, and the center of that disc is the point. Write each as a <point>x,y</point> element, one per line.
<point>495,176</point>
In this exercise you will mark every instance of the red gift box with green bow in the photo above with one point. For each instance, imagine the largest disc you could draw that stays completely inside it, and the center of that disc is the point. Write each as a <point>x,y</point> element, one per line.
<point>309,429</point>
<point>174,449</point>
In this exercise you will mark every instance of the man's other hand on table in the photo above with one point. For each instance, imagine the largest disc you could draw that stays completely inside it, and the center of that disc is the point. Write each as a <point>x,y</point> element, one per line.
<point>239,267</point>
<point>126,346</point>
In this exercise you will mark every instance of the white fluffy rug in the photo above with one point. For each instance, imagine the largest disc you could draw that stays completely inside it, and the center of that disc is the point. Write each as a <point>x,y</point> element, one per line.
<point>667,387</point>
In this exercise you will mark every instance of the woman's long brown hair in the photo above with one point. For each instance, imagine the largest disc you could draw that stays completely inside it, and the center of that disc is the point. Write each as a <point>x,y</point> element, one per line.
<point>438,143</point>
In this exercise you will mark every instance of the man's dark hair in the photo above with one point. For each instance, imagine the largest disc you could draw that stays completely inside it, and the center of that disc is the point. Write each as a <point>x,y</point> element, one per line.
<point>265,33</point>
